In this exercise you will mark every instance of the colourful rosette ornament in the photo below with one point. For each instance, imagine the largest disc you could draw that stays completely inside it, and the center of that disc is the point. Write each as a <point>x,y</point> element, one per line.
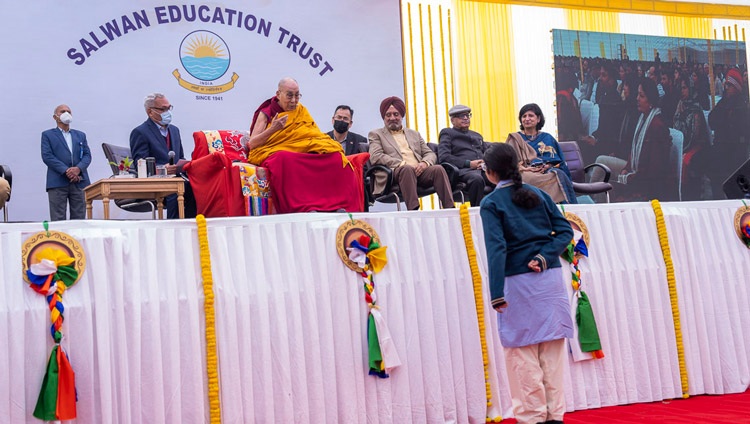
<point>588,333</point>
<point>742,224</point>
<point>53,262</point>
<point>358,246</point>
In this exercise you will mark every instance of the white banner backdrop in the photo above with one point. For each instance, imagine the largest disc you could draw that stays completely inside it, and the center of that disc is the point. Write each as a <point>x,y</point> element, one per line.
<point>215,61</point>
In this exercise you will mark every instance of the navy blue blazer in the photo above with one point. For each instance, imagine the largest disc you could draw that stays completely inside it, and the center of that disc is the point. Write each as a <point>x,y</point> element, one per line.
<point>59,158</point>
<point>147,141</point>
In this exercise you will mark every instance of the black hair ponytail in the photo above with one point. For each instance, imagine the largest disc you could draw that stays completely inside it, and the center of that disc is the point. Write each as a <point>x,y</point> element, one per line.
<point>501,158</point>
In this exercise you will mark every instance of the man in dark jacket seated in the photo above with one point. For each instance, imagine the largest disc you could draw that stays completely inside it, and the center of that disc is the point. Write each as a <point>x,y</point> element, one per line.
<point>464,149</point>
<point>343,119</point>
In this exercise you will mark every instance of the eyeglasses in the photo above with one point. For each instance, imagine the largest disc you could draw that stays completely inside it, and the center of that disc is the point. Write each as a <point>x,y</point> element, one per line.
<point>163,109</point>
<point>463,116</point>
<point>291,96</point>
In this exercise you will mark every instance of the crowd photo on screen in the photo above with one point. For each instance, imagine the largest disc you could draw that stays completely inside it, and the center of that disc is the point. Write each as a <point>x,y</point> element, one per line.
<point>668,116</point>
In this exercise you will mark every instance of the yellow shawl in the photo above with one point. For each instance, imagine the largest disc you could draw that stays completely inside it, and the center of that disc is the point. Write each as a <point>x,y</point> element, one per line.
<point>300,135</point>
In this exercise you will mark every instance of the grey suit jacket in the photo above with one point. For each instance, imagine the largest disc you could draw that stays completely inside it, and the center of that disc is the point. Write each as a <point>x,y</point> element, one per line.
<point>384,150</point>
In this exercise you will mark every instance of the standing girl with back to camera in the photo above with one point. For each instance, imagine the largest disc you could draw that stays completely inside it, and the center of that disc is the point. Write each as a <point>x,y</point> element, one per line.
<point>525,234</point>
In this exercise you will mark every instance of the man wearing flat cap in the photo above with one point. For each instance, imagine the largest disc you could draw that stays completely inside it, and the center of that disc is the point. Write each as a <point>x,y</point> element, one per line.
<point>465,149</point>
<point>406,153</point>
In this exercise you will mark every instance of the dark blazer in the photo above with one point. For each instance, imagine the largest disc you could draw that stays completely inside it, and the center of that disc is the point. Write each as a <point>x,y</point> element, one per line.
<point>59,158</point>
<point>459,148</point>
<point>353,143</point>
<point>147,141</point>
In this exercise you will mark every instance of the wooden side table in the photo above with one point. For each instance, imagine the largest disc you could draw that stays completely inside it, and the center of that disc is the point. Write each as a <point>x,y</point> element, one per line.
<point>136,188</point>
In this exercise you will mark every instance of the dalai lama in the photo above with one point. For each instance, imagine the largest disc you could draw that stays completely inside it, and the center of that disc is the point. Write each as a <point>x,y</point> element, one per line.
<point>282,136</point>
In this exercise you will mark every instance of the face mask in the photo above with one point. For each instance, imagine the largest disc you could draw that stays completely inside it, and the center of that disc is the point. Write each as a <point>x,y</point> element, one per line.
<point>340,126</point>
<point>166,117</point>
<point>66,118</point>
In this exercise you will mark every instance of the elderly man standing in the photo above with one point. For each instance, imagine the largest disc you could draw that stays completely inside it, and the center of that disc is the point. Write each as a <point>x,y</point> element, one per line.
<point>157,137</point>
<point>67,155</point>
<point>465,149</point>
<point>406,153</point>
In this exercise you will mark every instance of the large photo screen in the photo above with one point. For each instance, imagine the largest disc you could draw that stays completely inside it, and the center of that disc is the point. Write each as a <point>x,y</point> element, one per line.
<point>668,116</point>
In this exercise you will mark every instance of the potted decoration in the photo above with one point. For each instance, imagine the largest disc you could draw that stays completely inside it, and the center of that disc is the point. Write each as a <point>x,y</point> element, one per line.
<point>123,167</point>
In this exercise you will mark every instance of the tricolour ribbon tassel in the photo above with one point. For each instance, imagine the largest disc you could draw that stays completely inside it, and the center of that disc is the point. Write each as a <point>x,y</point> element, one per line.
<point>51,274</point>
<point>588,333</point>
<point>371,257</point>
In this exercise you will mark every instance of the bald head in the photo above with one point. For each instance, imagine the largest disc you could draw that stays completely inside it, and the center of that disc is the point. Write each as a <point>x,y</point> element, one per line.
<point>63,123</point>
<point>288,82</point>
<point>288,93</point>
<point>60,109</point>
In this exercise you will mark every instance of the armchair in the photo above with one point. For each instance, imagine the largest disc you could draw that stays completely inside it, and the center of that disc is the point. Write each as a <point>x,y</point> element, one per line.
<point>114,155</point>
<point>460,189</point>
<point>572,154</point>
<point>319,181</point>
<point>215,180</point>
<point>391,193</point>
<point>5,191</point>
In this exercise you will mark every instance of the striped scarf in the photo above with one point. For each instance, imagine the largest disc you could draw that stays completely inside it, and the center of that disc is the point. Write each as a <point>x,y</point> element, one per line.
<point>640,135</point>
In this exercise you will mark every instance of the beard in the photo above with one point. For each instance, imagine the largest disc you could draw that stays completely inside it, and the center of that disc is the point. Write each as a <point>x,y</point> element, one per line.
<point>394,126</point>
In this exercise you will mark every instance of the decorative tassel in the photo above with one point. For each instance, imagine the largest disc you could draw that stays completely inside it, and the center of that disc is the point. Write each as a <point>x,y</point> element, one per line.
<point>51,274</point>
<point>57,397</point>
<point>372,258</point>
<point>588,333</point>
<point>377,367</point>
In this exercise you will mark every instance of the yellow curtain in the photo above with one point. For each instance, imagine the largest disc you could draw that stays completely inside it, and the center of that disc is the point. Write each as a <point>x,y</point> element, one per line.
<point>682,26</point>
<point>428,70</point>
<point>484,57</point>
<point>698,9</point>
<point>592,20</point>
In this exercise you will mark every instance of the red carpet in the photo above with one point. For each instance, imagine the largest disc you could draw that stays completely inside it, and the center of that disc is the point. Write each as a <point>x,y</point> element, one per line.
<point>694,410</point>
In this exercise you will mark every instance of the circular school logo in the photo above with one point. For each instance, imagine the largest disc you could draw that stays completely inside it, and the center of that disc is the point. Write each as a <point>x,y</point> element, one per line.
<point>204,55</point>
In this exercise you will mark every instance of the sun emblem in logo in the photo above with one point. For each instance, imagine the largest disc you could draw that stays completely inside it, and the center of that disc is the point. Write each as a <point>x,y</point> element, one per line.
<point>205,56</point>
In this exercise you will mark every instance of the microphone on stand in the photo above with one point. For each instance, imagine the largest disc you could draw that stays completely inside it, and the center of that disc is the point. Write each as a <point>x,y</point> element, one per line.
<point>171,157</point>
